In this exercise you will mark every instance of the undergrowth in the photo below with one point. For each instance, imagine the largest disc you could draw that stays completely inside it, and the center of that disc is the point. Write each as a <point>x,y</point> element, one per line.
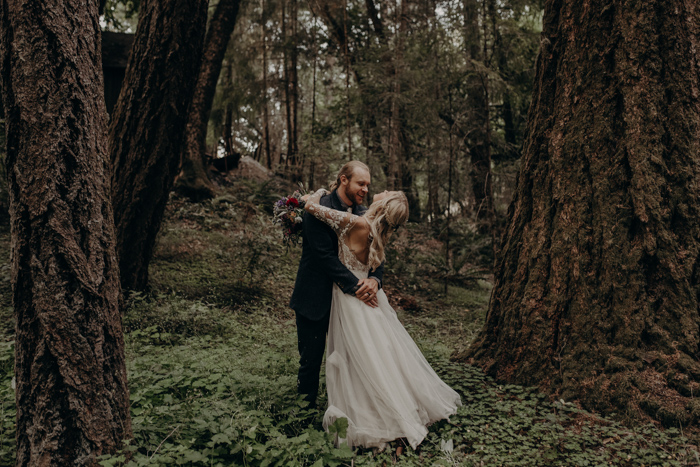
<point>212,360</point>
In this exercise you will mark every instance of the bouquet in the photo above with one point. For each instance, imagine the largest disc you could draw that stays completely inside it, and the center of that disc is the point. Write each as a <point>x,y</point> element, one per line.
<point>289,213</point>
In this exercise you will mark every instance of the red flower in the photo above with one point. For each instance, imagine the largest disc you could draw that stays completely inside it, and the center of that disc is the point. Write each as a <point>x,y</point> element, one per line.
<point>293,202</point>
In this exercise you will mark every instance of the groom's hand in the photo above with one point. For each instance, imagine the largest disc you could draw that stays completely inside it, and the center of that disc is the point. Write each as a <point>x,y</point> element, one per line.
<point>368,291</point>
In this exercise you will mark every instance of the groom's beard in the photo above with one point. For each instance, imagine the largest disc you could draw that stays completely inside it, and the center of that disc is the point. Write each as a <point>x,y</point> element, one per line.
<point>357,198</point>
<point>354,198</point>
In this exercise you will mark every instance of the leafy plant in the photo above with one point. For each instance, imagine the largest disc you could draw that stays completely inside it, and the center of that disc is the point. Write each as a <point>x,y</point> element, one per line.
<point>212,367</point>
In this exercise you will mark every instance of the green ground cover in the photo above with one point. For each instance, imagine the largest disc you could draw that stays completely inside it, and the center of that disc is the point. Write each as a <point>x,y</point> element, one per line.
<point>212,360</point>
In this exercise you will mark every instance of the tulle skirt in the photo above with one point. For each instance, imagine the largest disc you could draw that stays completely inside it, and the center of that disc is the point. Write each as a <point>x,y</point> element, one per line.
<point>377,377</point>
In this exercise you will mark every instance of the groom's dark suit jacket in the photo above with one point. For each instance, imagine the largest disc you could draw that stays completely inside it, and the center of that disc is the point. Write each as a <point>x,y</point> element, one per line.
<point>320,266</point>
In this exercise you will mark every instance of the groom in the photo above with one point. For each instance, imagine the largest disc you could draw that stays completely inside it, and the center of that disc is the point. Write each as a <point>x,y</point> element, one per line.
<point>319,268</point>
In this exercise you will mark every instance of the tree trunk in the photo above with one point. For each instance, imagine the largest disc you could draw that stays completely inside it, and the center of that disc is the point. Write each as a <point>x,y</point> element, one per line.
<point>595,294</point>
<point>71,388</point>
<point>396,149</point>
<point>287,88</point>
<point>193,181</point>
<point>346,54</point>
<point>314,51</point>
<point>228,137</point>
<point>147,127</point>
<point>294,88</point>
<point>433,205</point>
<point>479,140</point>
<point>266,111</point>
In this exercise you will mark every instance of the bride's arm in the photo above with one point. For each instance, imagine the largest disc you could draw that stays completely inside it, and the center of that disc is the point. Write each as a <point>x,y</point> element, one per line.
<point>337,220</point>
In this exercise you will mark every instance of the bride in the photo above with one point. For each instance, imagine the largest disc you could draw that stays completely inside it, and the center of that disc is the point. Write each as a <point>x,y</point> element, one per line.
<point>376,376</point>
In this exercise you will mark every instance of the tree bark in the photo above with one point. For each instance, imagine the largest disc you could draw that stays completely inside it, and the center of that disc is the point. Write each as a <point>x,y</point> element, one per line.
<point>193,181</point>
<point>71,388</point>
<point>147,127</point>
<point>595,294</point>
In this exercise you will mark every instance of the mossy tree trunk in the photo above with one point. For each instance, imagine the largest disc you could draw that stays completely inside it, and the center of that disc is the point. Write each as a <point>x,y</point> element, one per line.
<point>71,388</point>
<point>148,123</point>
<point>193,181</point>
<point>596,288</point>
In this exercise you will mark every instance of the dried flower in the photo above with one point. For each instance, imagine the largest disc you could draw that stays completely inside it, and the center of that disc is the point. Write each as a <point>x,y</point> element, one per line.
<point>289,214</point>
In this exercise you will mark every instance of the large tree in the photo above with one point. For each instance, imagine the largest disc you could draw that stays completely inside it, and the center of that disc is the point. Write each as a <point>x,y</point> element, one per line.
<point>71,390</point>
<point>596,289</point>
<point>193,181</point>
<point>148,123</point>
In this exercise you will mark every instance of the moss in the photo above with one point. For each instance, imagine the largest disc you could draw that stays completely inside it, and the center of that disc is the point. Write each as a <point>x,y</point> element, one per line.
<point>621,395</point>
<point>681,384</point>
<point>673,417</point>
<point>693,408</point>
<point>639,383</point>
<point>649,406</point>
<point>7,318</point>
<point>616,364</point>
<point>689,366</point>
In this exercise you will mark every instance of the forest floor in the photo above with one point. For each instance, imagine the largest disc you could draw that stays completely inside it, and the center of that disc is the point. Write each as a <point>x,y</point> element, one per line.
<point>212,359</point>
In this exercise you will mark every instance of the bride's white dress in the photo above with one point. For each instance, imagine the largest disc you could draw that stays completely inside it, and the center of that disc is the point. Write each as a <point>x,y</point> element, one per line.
<point>376,376</point>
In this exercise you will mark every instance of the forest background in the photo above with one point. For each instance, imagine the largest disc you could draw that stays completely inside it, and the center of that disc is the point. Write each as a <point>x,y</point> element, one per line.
<point>434,97</point>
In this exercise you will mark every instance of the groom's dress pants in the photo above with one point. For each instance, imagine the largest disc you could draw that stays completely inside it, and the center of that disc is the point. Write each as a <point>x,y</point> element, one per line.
<point>312,343</point>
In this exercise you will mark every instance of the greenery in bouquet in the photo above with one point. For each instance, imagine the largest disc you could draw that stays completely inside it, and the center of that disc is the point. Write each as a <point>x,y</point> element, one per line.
<point>289,214</point>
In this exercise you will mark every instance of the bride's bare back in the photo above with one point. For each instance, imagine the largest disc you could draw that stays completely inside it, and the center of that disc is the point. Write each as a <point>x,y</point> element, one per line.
<point>357,239</point>
<point>352,230</point>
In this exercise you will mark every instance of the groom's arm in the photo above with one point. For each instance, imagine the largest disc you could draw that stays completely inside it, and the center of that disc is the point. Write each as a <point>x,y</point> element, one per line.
<point>322,243</point>
<point>371,285</point>
<point>378,274</point>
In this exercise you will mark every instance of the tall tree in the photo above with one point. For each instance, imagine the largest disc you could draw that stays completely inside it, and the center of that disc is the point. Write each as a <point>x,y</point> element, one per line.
<point>479,133</point>
<point>398,168</point>
<point>595,293</point>
<point>193,181</point>
<point>148,123</point>
<point>294,89</point>
<point>290,56</point>
<point>285,79</point>
<point>396,149</point>
<point>71,389</point>
<point>266,151</point>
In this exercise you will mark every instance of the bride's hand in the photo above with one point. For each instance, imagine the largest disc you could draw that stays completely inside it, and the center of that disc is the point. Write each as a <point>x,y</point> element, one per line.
<point>316,196</point>
<point>368,291</point>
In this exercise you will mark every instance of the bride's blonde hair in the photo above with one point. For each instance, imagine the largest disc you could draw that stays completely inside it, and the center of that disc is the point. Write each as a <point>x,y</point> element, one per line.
<point>384,217</point>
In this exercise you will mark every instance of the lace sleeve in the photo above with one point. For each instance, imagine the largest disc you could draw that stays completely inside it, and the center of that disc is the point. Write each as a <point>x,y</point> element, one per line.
<point>339,221</point>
